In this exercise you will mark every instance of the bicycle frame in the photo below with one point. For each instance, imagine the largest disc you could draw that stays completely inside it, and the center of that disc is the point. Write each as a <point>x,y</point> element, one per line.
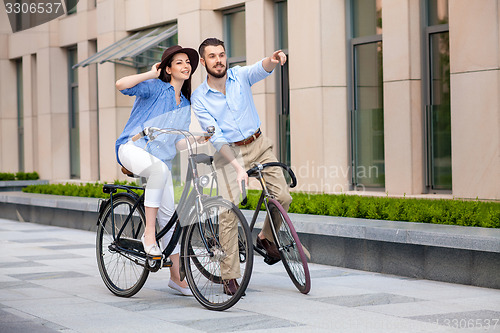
<point>190,197</point>
<point>256,172</point>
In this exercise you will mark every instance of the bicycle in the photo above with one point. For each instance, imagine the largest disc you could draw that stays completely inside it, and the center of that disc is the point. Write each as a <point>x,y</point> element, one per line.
<point>291,251</point>
<point>122,262</point>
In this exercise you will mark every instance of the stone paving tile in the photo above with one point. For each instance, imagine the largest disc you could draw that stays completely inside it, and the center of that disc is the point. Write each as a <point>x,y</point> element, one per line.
<point>367,299</point>
<point>20,264</point>
<point>47,275</point>
<point>49,257</point>
<point>246,323</point>
<point>17,284</point>
<point>69,247</point>
<point>38,240</point>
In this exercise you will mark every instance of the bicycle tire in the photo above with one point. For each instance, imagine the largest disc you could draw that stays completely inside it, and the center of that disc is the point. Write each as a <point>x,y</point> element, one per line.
<point>204,272</point>
<point>122,276</point>
<point>291,251</point>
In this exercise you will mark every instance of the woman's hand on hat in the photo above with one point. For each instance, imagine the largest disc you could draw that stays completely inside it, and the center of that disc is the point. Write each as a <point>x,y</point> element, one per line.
<point>155,70</point>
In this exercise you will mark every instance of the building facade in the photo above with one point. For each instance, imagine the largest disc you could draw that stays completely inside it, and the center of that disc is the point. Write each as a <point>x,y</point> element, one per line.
<point>390,96</point>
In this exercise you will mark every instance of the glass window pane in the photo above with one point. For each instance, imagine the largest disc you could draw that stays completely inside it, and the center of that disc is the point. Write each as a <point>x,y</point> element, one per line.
<point>235,40</point>
<point>437,12</point>
<point>368,80</point>
<point>20,115</point>
<point>73,60</point>
<point>440,138</point>
<point>71,6</point>
<point>367,17</point>
<point>369,116</point>
<point>74,127</point>
<point>282,25</point>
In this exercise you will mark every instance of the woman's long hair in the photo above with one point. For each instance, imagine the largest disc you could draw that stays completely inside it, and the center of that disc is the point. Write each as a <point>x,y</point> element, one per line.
<point>186,86</point>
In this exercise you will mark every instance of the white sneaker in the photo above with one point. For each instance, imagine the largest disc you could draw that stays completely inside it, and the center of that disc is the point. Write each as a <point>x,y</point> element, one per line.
<point>152,250</point>
<point>184,291</point>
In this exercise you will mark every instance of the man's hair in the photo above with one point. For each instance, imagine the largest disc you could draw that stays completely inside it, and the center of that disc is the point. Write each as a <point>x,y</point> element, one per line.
<point>210,42</point>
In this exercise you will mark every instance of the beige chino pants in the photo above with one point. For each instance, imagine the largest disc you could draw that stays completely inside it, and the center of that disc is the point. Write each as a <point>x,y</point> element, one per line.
<point>259,151</point>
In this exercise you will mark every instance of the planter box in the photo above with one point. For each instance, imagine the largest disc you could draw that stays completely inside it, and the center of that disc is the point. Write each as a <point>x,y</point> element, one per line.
<point>18,185</point>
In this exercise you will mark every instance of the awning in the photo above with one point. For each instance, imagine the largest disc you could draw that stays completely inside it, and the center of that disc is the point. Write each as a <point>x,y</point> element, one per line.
<point>126,51</point>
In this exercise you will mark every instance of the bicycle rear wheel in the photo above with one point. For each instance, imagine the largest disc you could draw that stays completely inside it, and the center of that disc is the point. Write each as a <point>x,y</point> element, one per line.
<point>207,252</point>
<point>291,251</point>
<point>120,274</point>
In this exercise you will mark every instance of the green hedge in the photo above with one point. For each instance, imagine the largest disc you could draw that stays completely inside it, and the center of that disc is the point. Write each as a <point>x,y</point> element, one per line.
<point>89,190</point>
<point>19,176</point>
<point>454,212</point>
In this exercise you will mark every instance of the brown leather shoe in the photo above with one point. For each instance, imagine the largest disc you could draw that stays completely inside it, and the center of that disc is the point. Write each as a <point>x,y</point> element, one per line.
<point>230,287</point>
<point>270,247</point>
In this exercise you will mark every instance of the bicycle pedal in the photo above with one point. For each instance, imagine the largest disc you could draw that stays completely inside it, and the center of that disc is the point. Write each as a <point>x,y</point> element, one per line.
<point>271,261</point>
<point>167,263</point>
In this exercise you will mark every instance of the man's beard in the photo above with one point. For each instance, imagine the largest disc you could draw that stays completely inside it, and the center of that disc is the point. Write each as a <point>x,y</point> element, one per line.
<point>217,74</point>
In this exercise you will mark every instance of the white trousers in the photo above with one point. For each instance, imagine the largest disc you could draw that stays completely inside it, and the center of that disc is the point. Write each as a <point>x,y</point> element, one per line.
<point>159,191</point>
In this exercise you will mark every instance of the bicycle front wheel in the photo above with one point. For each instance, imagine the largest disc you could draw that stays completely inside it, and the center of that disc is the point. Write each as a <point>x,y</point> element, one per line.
<point>217,252</point>
<point>120,274</point>
<point>291,251</point>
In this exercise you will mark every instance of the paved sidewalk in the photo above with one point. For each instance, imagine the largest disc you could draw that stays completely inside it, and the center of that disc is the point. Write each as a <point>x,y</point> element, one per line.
<point>49,282</point>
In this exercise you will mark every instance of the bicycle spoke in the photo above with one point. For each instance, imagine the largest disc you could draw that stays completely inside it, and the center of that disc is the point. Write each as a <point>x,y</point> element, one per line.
<point>119,272</point>
<point>207,248</point>
<point>289,246</point>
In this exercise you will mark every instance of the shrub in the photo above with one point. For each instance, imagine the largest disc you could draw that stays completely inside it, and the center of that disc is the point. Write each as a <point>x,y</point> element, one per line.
<point>455,211</point>
<point>19,176</point>
<point>7,176</point>
<point>452,211</point>
<point>89,190</point>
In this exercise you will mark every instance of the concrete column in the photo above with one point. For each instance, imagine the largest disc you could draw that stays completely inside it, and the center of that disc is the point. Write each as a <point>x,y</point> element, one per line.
<point>28,105</point>
<point>53,133</point>
<point>403,129</point>
<point>197,21</point>
<point>8,117</point>
<point>114,108</point>
<point>8,102</point>
<point>475,105</point>
<point>87,97</point>
<point>259,26</point>
<point>318,95</point>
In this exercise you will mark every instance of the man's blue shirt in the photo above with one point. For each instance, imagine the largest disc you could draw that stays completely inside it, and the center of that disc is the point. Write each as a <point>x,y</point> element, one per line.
<point>233,115</point>
<point>155,105</point>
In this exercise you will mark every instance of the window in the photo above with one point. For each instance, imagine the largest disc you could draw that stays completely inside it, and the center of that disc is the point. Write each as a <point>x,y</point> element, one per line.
<point>74,114</point>
<point>71,6</point>
<point>437,96</point>
<point>234,36</point>
<point>366,94</point>
<point>20,114</point>
<point>283,85</point>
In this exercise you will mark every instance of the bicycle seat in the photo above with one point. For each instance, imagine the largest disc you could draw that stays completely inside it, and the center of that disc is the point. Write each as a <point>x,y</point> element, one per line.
<point>125,171</point>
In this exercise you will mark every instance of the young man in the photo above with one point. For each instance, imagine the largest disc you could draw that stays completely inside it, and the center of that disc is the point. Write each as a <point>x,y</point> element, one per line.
<point>224,100</point>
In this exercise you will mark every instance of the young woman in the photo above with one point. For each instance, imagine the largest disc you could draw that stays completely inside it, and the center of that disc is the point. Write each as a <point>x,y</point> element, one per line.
<point>162,100</point>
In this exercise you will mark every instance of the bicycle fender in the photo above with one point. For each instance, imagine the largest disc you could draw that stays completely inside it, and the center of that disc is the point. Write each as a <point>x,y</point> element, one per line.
<point>102,206</point>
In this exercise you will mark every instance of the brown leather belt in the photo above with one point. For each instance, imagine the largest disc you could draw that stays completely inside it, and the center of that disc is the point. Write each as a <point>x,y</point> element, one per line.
<point>248,140</point>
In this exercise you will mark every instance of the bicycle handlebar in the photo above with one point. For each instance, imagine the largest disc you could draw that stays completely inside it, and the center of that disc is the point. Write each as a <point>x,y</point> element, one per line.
<point>253,172</point>
<point>148,131</point>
